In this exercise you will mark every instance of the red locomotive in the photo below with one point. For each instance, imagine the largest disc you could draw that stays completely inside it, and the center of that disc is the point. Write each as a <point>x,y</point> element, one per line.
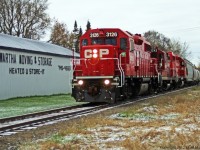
<point>115,64</point>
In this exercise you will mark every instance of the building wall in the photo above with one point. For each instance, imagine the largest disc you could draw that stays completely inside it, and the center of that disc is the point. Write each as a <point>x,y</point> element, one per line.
<point>28,74</point>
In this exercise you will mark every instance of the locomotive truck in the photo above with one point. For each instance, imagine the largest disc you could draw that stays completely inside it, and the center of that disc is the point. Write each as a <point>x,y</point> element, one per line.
<point>116,64</point>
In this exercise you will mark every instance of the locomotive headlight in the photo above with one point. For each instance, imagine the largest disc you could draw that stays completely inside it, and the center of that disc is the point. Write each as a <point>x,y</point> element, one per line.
<point>80,82</point>
<point>94,55</point>
<point>106,82</point>
<point>95,51</point>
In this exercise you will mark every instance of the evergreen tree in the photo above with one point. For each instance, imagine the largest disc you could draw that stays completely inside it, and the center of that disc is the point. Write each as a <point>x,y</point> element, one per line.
<point>88,26</point>
<point>76,36</point>
<point>75,27</point>
<point>80,32</point>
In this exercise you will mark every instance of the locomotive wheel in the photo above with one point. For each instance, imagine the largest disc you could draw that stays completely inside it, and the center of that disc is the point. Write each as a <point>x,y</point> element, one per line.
<point>174,85</point>
<point>151,90</point>
<point>118,96</point>
<point>128,91</point>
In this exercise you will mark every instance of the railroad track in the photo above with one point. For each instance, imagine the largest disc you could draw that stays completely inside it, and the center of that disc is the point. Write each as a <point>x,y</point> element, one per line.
<point>12,125</point>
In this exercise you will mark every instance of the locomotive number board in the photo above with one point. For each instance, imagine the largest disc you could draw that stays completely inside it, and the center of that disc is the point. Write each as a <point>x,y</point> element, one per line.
<point>111,34</point>
<point>94,35</point>
<point>107,34</point>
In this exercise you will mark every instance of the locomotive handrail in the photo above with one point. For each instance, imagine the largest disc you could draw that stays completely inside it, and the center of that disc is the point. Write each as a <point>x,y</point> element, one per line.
<point>120,69</point>
<point>76,64</point>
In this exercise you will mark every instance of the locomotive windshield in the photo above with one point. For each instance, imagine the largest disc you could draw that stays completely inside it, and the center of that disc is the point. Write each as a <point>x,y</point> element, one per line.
<point>106,41</point>
<point>97,41</point>
<point>85,42</point>
<point>111,41</point>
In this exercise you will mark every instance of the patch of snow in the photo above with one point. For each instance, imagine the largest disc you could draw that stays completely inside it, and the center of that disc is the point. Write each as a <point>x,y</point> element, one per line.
<point>150,109</point>
<point>187,120</point>
<point>145,117</point>
<point>169,106</point>
<point>72,137</point>
<point>164,128</point>
<point>145,104</point>
<point>135,117</point>
<point>169,116</point>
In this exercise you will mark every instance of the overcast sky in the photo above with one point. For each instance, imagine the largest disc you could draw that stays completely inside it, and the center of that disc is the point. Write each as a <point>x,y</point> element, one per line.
<point>178,19</point>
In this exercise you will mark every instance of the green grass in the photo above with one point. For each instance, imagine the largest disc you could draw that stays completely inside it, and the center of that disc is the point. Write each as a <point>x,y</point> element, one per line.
<point>19,106</point>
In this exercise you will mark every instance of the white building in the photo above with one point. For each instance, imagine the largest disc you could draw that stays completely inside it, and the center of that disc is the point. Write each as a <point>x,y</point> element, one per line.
<point>29,67</point>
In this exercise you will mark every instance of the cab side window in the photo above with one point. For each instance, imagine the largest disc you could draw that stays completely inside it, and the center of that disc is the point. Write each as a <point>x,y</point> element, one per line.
<point>123,43</point>
<point>131,45</point>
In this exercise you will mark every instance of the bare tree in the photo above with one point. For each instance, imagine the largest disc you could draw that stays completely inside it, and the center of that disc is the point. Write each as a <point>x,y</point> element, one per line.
<point>61,36</point>
<point>180,48</point>
<point>157,40</point>
<point>161,41</point>
<point>24,18</point>
<point>198,67</point>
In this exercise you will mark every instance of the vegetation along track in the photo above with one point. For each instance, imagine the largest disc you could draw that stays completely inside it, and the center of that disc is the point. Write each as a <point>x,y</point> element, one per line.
<point>12,125</point>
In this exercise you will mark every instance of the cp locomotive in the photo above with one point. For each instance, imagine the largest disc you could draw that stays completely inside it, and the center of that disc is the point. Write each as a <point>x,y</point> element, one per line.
<point>116,64</point>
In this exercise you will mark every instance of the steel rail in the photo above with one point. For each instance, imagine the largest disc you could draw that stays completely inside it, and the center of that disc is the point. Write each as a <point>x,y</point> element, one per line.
<point>9,126</point>
<point>20,117</point>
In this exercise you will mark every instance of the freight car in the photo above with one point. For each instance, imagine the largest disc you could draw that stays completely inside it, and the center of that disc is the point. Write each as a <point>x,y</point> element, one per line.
<point>116,64</point>
<point>192,74</point>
